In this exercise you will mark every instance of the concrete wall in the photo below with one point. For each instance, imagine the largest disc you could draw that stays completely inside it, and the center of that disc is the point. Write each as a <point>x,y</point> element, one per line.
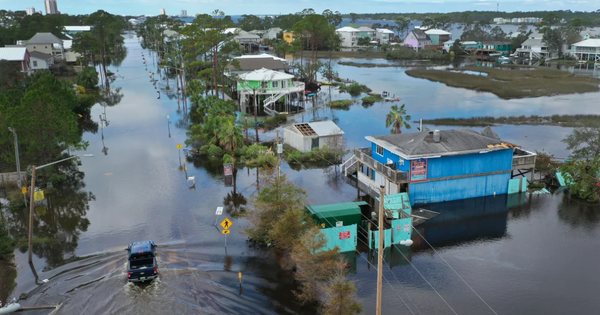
<point>6,178</point>
<point>296,140</point>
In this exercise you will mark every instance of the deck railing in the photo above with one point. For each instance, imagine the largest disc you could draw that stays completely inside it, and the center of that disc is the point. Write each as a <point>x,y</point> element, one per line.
<point>525,160</point>
<point>364,156</point>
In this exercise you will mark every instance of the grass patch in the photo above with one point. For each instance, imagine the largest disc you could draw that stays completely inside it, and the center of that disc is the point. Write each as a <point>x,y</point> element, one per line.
<point>514,83</point>
<point>404,53</point>
<point>364,65</point>
<point>340,103</point>
<point>536,186</point>
<point>370,100</point>
<point>345,54</point>
<point>320,156</point>
<point>554,120</point>
<point>354,89</point>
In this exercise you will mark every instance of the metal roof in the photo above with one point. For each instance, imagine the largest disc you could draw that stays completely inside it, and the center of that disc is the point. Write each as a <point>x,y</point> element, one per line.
<point>347,29</point>
<point>588,43</point>
<point>437,32</point>
<point>534,42</point>
<point>13,53</point>
<point>337,209</point>
<point>39,55</point>
<point>265,75</point>
<point>452,142</point>
<point>78,28</point>
<point>326,128</point>
<point>44,38</point>
<point>420,34</point>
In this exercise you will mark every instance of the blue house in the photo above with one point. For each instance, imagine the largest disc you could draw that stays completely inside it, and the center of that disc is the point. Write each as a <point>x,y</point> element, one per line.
<point>440,165</point>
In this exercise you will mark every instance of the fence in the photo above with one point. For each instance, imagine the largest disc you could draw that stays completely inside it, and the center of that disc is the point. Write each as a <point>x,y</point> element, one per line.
<point>6,178</point>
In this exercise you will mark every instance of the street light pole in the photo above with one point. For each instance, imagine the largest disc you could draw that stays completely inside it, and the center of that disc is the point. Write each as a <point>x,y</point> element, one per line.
<point>31,198</point>
<point>20,180</point>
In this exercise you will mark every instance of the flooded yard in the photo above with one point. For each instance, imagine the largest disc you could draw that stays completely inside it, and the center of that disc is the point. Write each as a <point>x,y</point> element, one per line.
<point>522,255</point>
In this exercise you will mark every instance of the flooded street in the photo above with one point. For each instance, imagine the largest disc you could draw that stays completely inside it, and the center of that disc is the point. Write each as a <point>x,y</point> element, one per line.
<point>521,254</point>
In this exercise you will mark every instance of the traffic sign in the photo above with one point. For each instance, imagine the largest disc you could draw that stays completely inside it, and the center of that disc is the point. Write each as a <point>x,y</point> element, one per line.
<point>24,190</point>
<point>226,224</point>
<point>179,146</point>
<point>38,195</point>
<point>226,231</point>
<point>219,211</point>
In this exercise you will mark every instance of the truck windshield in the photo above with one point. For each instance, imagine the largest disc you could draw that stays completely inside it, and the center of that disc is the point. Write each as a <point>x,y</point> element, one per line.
<point>139,261</point>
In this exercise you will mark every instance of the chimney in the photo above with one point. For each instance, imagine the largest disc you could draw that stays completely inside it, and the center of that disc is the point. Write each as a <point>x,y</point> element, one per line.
<point>436,136</point>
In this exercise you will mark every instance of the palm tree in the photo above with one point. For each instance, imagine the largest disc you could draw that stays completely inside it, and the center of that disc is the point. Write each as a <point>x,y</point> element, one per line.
<point>397,118</point>
<point>230,137</point>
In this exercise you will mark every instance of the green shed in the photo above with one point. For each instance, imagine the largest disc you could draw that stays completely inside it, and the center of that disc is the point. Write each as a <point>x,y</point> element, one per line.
<point>341,214</point>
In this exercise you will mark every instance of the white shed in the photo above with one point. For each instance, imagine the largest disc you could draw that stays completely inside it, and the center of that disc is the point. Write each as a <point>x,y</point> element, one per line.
<point>39,60</point>
<point>307,136</point>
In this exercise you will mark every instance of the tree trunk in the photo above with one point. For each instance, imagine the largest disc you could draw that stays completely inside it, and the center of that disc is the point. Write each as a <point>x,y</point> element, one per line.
<point>216,60</point>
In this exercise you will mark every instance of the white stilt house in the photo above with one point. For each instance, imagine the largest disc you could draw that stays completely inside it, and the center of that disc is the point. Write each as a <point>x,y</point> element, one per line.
<point>267,88</point>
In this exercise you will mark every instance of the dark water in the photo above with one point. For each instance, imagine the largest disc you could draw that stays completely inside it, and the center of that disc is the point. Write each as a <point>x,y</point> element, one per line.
<point>537,257</point>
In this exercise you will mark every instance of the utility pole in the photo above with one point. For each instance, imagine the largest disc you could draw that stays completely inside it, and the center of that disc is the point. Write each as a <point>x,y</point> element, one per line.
<point>20,180</point>
<point>380,221</point>
<point>278,157</point>
<point>31,204</point>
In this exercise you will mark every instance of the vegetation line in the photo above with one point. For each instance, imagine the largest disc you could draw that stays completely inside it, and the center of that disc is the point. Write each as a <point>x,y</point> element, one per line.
<point>535,120</point>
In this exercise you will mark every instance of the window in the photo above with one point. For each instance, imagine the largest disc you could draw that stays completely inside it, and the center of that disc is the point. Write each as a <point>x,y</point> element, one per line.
<point>265,85</point>
<point>33,46</point>
<point>46,46</point>
<point>275,84</point>
<point>379,150</point>
<point>35,63</point>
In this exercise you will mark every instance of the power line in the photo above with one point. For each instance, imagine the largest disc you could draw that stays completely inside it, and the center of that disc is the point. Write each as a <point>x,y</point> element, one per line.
<point>461,278</point>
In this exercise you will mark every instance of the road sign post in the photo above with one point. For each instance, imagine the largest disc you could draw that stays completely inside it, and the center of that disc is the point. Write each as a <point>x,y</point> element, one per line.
<point>226,224</point>
<point>179,146</point>
<point>218,213</point>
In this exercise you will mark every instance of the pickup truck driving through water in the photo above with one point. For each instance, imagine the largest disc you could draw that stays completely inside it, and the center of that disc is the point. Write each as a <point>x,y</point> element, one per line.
<point>141,261</point>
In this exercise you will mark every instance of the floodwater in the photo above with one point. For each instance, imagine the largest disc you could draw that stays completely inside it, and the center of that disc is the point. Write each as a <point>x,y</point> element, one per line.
<point>522,255</point>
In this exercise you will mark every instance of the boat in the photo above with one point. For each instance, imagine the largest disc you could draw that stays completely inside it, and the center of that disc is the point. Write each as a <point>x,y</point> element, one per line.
<point>10,308</point>
<point>503,59</point>
<point>391,99</point>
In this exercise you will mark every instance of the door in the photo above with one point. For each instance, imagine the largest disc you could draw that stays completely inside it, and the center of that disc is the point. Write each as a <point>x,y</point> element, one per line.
<point>314,143</point>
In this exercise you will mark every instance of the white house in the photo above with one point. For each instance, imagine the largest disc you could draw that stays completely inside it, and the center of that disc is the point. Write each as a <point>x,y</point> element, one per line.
<point>269,87</point>
<point>248,63</point>
<point>588,49</point>
<point>348,35</point>
<point>272,33</point>
<point>39,60</point>
<point>591,33</point>
<point>534,47</point>
<point>304,137</point>
<point>72,30</point>
<point>383,36</point>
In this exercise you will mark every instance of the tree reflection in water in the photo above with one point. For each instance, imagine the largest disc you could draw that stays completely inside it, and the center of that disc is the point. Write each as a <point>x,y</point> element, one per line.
<point>578,213</point>
<point>59,222</point>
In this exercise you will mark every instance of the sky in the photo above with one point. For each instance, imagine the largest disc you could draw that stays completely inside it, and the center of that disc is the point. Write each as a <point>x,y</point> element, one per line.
<point>238,7</point>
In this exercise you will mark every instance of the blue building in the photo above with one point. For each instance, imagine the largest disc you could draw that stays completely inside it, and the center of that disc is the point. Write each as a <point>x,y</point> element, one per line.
<point>440,165</point>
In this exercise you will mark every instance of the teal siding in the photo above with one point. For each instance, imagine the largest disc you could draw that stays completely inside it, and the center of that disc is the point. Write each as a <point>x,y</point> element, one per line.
<point>517,185</point>
<point>374,238</point>
<point>462,188</point>
<point>333,237</point>
<point>398,227</point>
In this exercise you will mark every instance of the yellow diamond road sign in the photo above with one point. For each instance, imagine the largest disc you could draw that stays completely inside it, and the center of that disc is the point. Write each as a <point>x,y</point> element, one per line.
<point>38,195</point>
<point>179,146</point>
<point>226,231</point>
<point>226,224</point>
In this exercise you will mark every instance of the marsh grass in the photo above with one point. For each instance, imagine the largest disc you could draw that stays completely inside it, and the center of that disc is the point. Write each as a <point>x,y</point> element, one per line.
<point>554,120</point>
<point>518,82</point>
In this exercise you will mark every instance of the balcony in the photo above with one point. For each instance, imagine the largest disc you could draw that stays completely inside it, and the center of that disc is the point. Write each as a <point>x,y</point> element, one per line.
<point>523,159</point>
<point>364,156</point>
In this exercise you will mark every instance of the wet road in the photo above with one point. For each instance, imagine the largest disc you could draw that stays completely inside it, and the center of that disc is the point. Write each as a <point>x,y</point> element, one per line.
<point>536,258</point>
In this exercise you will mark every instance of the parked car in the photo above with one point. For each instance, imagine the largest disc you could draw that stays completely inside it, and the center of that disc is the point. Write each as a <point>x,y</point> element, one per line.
<point>141,265</point>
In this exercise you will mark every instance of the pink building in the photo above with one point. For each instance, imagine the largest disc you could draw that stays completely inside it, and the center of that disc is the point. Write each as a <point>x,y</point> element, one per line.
<point>417,39</point>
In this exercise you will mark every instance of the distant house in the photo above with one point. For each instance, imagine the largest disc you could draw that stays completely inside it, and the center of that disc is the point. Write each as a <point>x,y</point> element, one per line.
<point>440,165</point>
<point>534,48</point>
<point>349,36</point>
<point>16,55</point>
<point>249,63</point>
<point>383,36</point>
<point>47,43</point>
<point>366,31</point>
<point>438,37</point>
<point>417,39</point>
<point>500,46</point>
<point>464,45</point>
<point>40,60</point>
<point>272,33</point>
<point>305,137</point>
<point>246,38</point>
<point>588,49</point>
<point>590,34</point>
<point>268,87</point>
<point>72,30</point>
<point>288,36</point>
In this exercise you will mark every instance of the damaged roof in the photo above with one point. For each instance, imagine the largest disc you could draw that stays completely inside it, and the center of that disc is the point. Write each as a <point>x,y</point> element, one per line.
<point>452,142</point>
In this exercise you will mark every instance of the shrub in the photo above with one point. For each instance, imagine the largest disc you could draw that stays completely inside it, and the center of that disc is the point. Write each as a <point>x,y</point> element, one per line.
<point>340,103</point>
<point>354,89</point>
<point>227,159</point>
<point>213,150</point>
<point>369,100</point>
